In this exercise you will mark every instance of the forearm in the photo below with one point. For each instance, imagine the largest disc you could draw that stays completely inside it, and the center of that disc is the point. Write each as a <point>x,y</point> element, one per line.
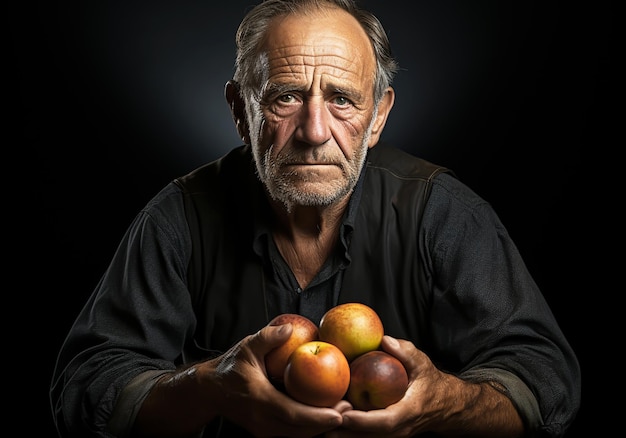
<point>475,409</point>
<point>179,405</point>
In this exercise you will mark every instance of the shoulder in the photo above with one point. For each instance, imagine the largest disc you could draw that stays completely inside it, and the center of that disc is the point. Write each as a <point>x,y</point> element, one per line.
<point>165,212</point>
<point>400,164</point>
<point>453,205</point>
<point>167,200</point>
<point>398,174</point>
<point>229,171</point>
<point>204,188</point>
<point>449,188</point>
<point>220,193</point>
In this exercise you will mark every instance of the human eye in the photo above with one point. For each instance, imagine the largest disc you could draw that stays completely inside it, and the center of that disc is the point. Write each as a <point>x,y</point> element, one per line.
<point>280,96</point>
<point>286,98</point>
<point>342,101</point>
<point>285,103</point>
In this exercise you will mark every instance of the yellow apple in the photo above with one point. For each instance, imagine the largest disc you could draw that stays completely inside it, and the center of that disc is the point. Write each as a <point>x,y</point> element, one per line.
<point>353,327</point>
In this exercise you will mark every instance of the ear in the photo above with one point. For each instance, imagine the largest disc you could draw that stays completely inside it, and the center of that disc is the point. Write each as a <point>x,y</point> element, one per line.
<point>384,108</point>
<point>237,109</point>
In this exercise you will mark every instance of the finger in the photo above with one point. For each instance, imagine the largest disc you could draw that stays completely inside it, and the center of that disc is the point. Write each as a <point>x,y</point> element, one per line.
<point>343,406</point>
<point>270,337</point>
<point>400,348</point>
<point>374,422</point>
<point>298,417</point>
<point>411,357</point>
<point>391,345</point>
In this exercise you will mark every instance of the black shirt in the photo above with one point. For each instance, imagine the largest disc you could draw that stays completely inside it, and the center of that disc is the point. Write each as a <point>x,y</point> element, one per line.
<point>197,271</point>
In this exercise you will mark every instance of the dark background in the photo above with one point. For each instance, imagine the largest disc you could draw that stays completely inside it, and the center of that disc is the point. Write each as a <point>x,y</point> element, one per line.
<point>108,101</point>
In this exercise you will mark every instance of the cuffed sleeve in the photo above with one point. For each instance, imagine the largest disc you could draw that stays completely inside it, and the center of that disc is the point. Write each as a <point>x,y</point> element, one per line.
<point>130,400</point>
<point>514,388</point>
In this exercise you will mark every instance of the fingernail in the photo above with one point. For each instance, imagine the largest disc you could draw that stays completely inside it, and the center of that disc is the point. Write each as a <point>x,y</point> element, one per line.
<point>392,342</point>
<point>282,328</point>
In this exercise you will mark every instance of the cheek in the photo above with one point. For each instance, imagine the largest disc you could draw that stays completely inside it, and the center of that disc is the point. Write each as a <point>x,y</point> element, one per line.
<point>278,130</point>
<point>349,135</point>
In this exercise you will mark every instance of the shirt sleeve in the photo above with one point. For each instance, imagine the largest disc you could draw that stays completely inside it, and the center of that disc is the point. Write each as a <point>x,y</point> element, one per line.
<point>137,320</point>
<point>129,401</point>
<point>488,313</point>
<point>514,388</point>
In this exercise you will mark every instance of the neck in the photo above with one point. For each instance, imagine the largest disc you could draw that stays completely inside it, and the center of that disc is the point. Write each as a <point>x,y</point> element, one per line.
<point>308,221</point>
<point>306,236</point>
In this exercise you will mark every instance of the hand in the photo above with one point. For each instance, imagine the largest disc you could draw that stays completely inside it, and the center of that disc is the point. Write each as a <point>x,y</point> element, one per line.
<point>249,399</point>
<point>402,418</point>
<point>434,401</point>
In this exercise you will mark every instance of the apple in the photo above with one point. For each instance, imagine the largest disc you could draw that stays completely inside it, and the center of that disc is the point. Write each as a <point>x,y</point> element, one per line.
<point>304,330</point>
<point>377,380</point>
<point>317,374</point>
<point>355,328</point>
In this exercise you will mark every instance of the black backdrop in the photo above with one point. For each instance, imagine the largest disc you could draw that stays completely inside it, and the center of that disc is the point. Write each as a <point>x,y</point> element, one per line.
<point>108,101</point>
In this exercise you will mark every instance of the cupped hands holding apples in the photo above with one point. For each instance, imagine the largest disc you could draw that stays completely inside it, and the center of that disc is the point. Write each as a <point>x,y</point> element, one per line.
<point>322,392</point>
<point>340,359</point>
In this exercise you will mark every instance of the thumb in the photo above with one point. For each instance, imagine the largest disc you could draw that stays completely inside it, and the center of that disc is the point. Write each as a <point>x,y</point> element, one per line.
<point>271,336</point>
<point>399,348</point>
<point>391,345</point>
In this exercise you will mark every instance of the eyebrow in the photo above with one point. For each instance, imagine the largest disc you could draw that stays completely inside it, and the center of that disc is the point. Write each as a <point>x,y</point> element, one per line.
<point>274,88</point>
<point>278,88</point>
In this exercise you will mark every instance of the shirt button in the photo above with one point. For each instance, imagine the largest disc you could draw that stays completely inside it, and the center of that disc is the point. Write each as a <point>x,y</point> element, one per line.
<point>298,290</point>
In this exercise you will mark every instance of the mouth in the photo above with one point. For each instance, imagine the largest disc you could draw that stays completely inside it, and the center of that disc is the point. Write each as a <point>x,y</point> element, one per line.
<point>303,166</point>
<point>312,171</point>
<point>310,163</point>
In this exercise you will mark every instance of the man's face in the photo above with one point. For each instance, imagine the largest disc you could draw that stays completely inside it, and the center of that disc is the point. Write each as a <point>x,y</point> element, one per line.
<point>310,130</point>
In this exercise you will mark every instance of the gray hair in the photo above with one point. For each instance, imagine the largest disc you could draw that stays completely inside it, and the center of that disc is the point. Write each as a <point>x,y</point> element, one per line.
<point>250,68</point>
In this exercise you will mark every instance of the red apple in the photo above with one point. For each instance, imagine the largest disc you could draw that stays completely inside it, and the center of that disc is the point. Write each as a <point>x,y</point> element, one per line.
<point>377,380</point>
<point>317,374</point>
<point>304,330</point>
<point>353,327</point>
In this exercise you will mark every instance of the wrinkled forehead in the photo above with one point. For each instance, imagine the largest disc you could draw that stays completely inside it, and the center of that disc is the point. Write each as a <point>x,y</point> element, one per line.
<point>320,45</point>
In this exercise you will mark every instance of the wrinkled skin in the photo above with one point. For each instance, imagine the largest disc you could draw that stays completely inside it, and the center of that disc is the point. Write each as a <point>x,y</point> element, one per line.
<point>309,133</point>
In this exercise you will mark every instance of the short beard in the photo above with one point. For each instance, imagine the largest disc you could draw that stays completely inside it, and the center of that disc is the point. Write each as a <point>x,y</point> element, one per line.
<point>281,188</point>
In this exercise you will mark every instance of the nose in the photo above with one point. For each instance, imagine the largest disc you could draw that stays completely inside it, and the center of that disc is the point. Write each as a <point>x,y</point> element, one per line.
<point>314,126</point>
